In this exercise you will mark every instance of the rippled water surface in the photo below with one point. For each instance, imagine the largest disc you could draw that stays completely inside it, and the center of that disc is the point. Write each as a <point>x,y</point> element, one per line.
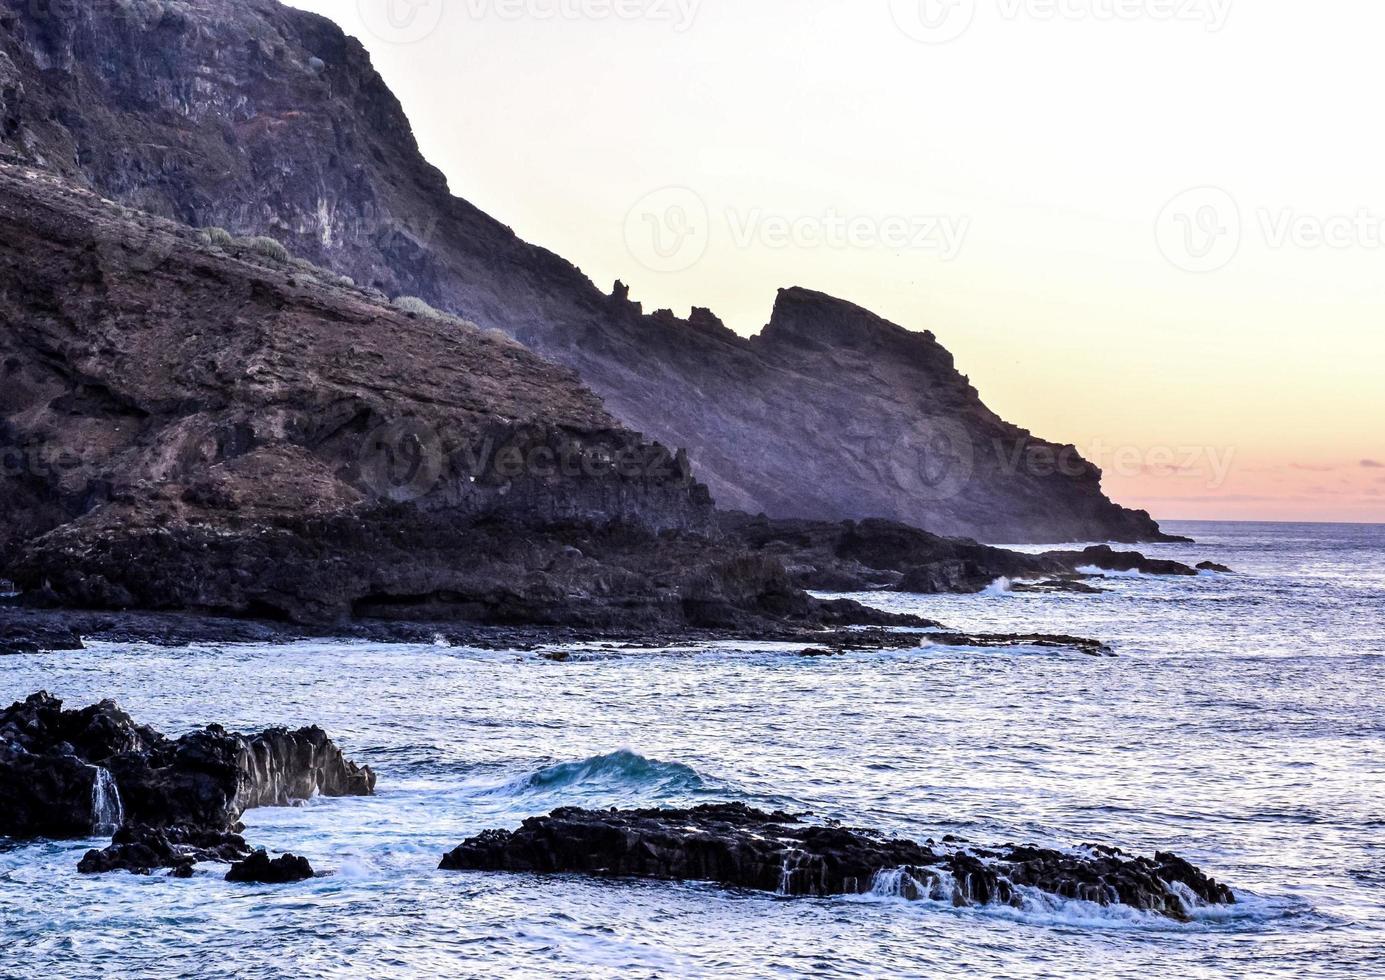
<point>1241,725</point>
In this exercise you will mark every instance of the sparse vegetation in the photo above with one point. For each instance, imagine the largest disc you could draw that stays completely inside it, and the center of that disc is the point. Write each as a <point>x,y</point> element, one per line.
<point>420,307</point>
<point>412,304</point>
<point>219,237</point>
<point>269,248</point>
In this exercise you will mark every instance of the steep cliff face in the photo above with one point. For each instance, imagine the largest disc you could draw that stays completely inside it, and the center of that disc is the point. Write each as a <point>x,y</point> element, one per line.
<point>267,120</point>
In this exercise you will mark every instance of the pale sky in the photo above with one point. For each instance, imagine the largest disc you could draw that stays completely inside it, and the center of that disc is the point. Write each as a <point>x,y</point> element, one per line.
<point>1151,228</point>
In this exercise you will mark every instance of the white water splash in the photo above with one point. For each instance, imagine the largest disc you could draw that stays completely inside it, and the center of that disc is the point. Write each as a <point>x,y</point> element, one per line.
<point>901,883</point>
<point>793,863</point>
<point>1000,586</point>
<point>107,812</point>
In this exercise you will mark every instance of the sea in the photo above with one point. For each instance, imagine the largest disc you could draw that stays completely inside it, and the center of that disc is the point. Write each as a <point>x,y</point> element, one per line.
<point>1241,724</point>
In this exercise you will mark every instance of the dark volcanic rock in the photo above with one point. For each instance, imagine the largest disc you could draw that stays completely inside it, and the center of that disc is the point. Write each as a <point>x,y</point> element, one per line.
<point>1211,566</point>
<point>267,120</point>
<point>1071,584</point>
<point>141,849</point>
<point>1104,557</point>
<point>258,868</point>
<point>70,773</point>
<point>18,637</point>
<point>886,555</point>
<point>736,846</point>
<point>264,442</point>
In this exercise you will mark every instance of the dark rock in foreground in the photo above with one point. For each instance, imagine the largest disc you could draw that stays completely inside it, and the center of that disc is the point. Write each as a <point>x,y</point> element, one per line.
<point>74,773</point>
<point>141,849</point>
<point>258,868</point>
<point>737,846</point>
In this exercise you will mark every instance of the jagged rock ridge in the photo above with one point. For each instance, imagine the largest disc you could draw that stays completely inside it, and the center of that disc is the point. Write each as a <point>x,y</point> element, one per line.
<point>268,120</point>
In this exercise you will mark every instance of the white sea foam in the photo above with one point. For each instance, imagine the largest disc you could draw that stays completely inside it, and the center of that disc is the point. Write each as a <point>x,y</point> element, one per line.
<point>1000,586</point>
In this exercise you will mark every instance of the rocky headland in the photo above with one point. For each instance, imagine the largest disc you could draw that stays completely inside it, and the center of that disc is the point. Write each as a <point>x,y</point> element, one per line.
<point>237,435</point>
<point>264,120</point>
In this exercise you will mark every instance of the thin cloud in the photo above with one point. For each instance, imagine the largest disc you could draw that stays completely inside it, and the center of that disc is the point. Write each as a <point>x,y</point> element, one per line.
<point>1372,464</point>
<point>1312,468</point>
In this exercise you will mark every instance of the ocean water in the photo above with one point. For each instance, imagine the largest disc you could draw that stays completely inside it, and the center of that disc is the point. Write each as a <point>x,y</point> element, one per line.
<point>1241,725</point>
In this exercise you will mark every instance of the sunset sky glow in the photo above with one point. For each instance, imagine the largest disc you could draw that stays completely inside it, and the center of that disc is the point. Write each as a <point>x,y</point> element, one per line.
<point>1154,229</point>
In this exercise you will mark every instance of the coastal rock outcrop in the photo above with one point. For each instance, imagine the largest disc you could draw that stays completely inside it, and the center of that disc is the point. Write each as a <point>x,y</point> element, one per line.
<point>74,773</point>
<point>259,868</point>
<point>142,849</point>
<point>1106,558</point>
<point>252,116</point>
<point>851,556</point>
<point>737,846</point>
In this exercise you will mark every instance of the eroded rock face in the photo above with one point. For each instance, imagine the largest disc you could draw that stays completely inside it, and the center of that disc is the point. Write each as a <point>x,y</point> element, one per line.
<point>737,846</point>
<point>270,121</point>
<point>70,773</point>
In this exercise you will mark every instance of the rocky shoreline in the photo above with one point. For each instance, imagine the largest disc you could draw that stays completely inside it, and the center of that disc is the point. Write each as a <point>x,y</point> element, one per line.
<point>174,804</point>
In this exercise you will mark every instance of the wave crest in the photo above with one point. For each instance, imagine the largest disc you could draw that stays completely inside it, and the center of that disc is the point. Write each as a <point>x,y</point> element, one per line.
<point>617,771</point>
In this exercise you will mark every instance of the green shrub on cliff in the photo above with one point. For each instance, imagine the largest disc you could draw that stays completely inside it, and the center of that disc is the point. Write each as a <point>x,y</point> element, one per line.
<point>419,307</point>
<point>219,237</point>
<point>269,248</point>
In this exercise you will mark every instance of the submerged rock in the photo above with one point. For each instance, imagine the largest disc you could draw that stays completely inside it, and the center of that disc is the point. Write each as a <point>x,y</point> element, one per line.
<point>1211,566</point>
<point>258,868</point>
<point>736,846</point>
<point>72,773</point>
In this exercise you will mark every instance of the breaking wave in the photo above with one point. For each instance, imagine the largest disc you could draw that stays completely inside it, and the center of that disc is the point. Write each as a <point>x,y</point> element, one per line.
<point>621,771</point>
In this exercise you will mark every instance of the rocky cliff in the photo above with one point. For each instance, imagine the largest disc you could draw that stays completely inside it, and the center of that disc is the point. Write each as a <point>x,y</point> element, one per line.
<point>190,422</point>
<point>266,120</point>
